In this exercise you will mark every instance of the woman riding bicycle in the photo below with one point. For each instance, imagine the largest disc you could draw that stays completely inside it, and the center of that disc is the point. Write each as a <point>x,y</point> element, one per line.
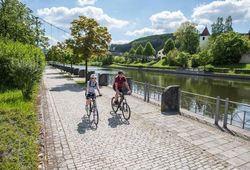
<point>92,85</point>
<point>119,84</point>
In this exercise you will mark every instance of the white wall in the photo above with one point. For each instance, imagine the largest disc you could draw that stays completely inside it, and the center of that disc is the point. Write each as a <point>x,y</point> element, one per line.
<point>245,59</point>
<point>203,43</point>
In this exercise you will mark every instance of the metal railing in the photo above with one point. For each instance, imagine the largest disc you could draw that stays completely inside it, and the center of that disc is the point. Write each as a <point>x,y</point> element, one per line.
<point>228,112</point>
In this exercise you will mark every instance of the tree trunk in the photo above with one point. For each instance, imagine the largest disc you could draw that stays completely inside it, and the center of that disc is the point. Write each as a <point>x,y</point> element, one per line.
<point>86,69</point>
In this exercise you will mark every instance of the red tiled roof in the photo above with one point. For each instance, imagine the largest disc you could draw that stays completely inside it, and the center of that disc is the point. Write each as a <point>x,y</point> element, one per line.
<point>205,32</point>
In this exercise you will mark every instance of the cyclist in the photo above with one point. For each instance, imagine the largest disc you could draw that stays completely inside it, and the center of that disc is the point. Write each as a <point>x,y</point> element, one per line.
<point>92,85</point>
<point>119,84</point>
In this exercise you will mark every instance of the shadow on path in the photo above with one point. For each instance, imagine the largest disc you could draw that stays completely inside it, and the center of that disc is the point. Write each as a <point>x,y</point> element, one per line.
<point>116,120</point>
<point>85,125</point>
<point>67,87</point>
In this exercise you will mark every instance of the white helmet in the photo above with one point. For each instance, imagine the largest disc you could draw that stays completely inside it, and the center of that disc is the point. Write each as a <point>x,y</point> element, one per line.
<point>92,76</point>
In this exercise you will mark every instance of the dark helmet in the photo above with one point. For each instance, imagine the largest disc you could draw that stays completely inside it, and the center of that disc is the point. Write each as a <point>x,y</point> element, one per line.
<point>120,72</point>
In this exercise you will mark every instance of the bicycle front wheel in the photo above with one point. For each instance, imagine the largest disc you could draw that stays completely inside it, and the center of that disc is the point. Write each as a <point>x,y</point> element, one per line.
<point>126,112</point>
<point>95,116</point>
<point>113,105</point>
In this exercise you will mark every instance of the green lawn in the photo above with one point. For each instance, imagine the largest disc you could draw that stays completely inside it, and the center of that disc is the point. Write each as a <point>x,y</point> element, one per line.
<point>239,66</point>
<point>18,130</point>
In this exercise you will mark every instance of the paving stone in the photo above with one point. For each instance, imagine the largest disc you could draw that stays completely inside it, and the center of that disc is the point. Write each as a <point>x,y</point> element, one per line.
<point>149,140</point>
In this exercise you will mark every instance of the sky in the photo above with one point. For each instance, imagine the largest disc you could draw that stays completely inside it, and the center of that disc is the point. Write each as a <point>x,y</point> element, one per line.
<point>128,20</point>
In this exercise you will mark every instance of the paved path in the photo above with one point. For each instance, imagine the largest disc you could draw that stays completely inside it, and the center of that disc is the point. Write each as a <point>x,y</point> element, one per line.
<point>149,141</point>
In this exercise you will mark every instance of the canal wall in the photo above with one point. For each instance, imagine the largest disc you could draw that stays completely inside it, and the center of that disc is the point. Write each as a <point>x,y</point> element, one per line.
<point>185,72</point>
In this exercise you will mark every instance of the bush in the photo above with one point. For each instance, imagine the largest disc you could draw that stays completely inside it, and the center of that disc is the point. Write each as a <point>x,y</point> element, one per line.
<point>242,71</point>
<point>182,59</point>
<point>119,59</point>
<point>21,65</point>
<point>171,58</point>
<point>195,60</point>
<point>209,68</point>
<point>221,70</point>
<point>228,48</point>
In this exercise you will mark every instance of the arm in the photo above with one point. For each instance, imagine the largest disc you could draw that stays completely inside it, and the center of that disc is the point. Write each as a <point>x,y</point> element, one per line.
<point>87,88</point>
<point>98,89</point>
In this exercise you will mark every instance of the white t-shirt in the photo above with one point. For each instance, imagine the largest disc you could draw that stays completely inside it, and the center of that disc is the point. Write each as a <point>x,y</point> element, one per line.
<point>91,86</point>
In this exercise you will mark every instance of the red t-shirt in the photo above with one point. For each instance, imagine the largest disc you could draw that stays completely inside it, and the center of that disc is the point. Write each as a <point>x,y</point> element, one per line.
<point>119,81</point>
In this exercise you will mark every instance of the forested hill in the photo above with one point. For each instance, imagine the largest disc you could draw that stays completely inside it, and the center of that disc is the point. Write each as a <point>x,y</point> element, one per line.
<point>157,41</point>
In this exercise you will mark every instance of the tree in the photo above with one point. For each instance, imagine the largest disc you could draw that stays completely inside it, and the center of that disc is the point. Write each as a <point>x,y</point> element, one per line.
<point>139,50</point>
<point>182,59</point>
<point>89,38</point>
<point>188,37</point>
<point>228,48</point>
<point>132,51</point>
<point>219,27</point>
<point>205,58</point>
<point>169,45</point>
<point>18,23</point>
<point>228,24</point>
<point>149,50</point>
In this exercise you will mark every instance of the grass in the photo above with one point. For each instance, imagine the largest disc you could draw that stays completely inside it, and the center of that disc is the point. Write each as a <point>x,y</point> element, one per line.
<point>81,82</point>
<point>233,66</point>
<point>18,130</point>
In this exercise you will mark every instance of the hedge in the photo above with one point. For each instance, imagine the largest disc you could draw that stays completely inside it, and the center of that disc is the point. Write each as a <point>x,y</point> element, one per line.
<point>242,71</point>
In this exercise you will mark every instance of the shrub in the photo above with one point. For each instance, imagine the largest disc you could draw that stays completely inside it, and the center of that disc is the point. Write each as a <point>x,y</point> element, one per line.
<point>171,58</point>
<point>21,65</point>
<point>182,59</point>
<point>221,70</point>
<point>119,59</point>
<point>242,71</point>
<point>209,68</point>
<point>195,60</point>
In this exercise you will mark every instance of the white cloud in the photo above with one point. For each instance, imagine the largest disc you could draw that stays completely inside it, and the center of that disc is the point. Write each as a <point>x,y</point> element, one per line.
<point>162,22</point>
<point>144,31</point>
<point>86,2</point>
<point>120,41</point>
<point>167,20</point>
<point>63,16</point>
<point>52,40</point>
<point>208,13</point>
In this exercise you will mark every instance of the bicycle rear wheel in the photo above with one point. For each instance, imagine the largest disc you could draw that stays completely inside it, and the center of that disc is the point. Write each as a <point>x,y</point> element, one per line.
<point>95,116</point>
<point>126,112</point>
<point>89,109</point>
<point>113,105</point>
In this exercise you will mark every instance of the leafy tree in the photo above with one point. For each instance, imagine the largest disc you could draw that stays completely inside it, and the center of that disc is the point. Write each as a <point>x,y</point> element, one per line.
<point>219,27</point>
<point>182,59</point>
<point>228,48</point>
<point>149,50</point>
<point>228,24</point>
<point>169,45</point>
<point>205,58</point>
<point>18,23</point>
<point>170,58</point>
<point>132,51</point>
<point>139,50</point>
<point>89,38</point>
<point>188,37</point>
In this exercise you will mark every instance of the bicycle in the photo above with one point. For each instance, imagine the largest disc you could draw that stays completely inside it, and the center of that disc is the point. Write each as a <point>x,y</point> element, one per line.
<point>122,105</point>
<point>93,110</point>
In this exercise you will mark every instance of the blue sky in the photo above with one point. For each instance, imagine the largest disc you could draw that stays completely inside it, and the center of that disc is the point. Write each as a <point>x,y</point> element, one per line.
<point>131,19</point>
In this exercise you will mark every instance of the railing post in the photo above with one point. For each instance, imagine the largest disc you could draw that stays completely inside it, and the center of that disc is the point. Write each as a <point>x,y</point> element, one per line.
<point>216,117</point>
<point>225,114</point>
<point>244,119</point>
<point>148,93</point>
<point>145,91</point>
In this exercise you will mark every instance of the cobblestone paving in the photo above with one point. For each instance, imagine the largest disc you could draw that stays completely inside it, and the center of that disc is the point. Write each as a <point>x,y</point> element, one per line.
<point>149,140</point>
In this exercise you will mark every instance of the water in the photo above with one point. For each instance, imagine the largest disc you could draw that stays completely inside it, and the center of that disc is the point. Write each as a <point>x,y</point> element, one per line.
<point>235,90</point>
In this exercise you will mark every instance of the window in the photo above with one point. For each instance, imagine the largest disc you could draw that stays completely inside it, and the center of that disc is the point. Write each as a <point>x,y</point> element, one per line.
<point>203,38</point>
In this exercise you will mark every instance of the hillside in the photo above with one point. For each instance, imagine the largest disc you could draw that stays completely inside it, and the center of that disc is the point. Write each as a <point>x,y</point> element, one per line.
<point>157,41</point>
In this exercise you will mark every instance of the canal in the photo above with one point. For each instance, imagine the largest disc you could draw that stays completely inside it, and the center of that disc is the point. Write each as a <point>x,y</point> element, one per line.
<point>235,90</point>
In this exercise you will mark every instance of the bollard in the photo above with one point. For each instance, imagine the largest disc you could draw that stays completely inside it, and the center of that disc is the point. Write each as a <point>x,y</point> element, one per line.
<point>170,100</point>
<point>81,73</point>
<point>225,114</point>
<point>103,80</point>
<point>75,71</point>
<point>145,91</point>
<point>216,117</point>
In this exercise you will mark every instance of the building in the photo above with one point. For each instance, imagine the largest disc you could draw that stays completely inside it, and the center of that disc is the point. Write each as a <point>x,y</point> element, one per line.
<point>204,36</point>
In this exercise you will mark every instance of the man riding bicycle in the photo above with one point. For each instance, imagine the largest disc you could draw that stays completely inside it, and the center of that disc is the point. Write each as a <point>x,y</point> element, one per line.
<point>92,85</point>
<point>120,83</point>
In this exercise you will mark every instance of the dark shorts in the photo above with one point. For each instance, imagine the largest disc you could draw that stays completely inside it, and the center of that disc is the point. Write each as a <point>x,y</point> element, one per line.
<point>90,95</point>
